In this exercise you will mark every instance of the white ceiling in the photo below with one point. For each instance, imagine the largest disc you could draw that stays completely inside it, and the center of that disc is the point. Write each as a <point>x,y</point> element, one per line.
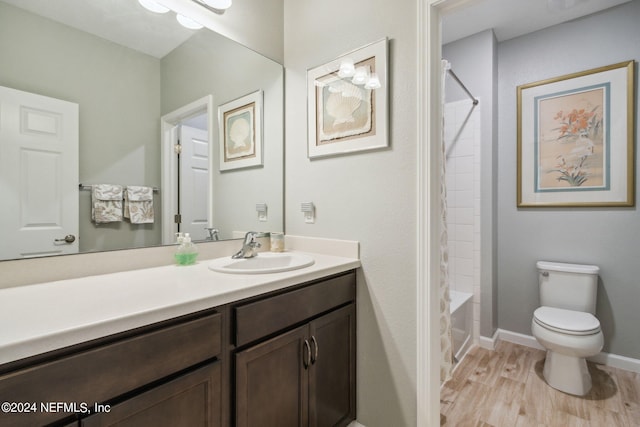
<point>513,18</point>
<point>124,22</point>
<point>127,23</point>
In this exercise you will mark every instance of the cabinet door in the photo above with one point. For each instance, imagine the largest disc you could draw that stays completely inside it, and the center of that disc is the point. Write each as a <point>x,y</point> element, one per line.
<point>272,382</point>
<point>332,375</point>
<point>192,399</point>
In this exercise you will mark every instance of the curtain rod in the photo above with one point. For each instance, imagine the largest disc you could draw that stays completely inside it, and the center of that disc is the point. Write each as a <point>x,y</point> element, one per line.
<point>84,187</point>
<point>475,100</point>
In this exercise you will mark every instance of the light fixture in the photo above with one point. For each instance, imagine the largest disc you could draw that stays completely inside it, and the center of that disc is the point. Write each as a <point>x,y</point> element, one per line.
<point>188,22</point>
<point>361,76</point>
<point>373,82</point>
<point>153,6</point>
<point>347,69</point>
<point>218,4</point>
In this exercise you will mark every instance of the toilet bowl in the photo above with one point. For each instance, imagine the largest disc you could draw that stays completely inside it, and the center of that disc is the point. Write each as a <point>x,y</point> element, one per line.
<point>569,337</point>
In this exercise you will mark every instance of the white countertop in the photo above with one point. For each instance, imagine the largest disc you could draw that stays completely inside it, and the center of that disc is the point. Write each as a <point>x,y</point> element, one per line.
<point>49,316</point>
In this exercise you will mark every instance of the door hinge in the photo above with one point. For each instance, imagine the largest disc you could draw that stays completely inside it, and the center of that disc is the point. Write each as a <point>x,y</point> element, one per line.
<point>177,218</point>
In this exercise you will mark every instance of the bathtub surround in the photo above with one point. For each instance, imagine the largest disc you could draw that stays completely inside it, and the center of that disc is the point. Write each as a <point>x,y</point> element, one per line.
<point>462,131</point>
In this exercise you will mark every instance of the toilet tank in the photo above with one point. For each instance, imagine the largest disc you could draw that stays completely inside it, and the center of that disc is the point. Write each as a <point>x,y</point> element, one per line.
<point>568,286</point>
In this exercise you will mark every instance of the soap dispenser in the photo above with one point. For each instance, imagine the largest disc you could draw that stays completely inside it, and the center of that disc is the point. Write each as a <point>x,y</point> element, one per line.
<point>187,252</point>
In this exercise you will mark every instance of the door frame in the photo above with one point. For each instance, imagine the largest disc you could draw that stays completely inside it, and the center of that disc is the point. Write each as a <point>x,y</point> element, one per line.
<point>169,164</point>
<point>430,157</point>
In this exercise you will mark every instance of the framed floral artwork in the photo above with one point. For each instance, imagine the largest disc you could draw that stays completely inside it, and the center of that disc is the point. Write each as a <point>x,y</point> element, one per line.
<point>575,139</point>
<point>240,128</point>
<point>347,103</point>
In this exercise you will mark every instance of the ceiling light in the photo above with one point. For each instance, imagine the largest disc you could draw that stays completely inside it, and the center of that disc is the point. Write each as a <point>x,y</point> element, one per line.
<point>153,6</point>
<point>218,4</point>
<point>188,22</point>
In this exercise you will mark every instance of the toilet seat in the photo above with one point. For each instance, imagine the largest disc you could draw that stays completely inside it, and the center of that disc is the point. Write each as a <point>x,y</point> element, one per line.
<point>568,322</point>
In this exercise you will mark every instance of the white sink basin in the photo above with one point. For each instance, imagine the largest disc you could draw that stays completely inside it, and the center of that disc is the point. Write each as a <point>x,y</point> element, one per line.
<point>264,262</point>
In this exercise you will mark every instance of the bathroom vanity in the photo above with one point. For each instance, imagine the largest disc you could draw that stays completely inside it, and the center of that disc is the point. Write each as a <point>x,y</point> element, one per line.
<point>223,350</point>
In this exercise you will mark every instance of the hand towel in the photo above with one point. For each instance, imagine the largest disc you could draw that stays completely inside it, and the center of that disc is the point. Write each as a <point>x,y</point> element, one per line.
<point>106,203</point>
<point>138,204</point>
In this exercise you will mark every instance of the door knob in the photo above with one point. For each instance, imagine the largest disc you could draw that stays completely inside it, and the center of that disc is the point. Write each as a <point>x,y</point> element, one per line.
<point>69,238</point>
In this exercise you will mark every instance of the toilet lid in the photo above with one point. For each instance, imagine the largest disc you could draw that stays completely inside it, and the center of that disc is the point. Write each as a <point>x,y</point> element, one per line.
<point>567,321</point>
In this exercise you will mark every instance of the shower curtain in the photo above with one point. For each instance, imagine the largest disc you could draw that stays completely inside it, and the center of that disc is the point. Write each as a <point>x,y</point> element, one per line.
<point>446,355</point>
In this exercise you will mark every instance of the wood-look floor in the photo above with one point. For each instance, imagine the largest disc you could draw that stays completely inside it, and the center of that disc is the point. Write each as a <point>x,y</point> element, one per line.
<point>506,388</point>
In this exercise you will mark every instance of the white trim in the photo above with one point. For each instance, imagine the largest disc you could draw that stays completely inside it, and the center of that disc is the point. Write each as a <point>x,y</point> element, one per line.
<point>608,359</point>
<point>429,156</point>
<point>489,343</point>
<point>355,424</point>
<point>169,165</point>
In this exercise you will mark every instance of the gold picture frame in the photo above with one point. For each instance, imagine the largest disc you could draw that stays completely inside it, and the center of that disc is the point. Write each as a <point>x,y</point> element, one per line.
<point>576,139</point>
<point>240,129</point>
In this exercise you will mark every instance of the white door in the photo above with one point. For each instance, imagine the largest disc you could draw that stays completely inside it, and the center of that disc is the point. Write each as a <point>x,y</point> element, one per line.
<point>38,175</point>
<point>194,182</point>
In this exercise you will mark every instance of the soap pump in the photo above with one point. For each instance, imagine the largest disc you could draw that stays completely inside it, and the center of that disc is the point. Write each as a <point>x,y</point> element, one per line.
<point>187,252</point>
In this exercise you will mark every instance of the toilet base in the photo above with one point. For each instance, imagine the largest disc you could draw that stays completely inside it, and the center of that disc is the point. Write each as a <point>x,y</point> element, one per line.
<point>568,374</point>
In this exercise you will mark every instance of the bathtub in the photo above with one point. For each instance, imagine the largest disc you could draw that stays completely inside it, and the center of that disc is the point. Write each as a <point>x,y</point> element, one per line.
<point>461,308</point>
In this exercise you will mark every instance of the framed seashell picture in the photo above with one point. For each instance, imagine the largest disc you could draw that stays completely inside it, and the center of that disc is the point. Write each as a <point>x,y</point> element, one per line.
<point>240,128</point>
<point>347,103</point>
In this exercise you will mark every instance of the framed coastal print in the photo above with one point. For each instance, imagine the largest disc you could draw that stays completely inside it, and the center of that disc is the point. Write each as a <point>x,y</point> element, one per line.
<point>575,139</point>
<point>240,127</point>
<point>347,103</point>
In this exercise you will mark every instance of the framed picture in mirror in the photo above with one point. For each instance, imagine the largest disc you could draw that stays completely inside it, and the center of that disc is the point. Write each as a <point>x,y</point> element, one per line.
<point>240,124</point>
<point>347,103</point>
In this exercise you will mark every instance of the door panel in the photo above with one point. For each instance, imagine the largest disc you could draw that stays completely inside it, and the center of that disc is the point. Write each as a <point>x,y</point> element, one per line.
<point>272,383</point>
<point>38,174</point>
<point>332,375</point>
<point>194,182</point>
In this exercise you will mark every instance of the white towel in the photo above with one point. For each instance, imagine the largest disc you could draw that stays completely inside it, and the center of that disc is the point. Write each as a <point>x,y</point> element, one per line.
<point>138,204</point>
<point>106,203</point>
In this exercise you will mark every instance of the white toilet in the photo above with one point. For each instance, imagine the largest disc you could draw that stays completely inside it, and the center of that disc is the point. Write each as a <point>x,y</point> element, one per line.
<point>565,325</point>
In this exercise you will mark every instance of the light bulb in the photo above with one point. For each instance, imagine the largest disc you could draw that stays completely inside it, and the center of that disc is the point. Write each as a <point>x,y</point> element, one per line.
<point>153,6</point>
<point>218,4</point>
<point>361,76</point>
<point>188,22</point>
<point>373,82</point>
<point>347,68</point>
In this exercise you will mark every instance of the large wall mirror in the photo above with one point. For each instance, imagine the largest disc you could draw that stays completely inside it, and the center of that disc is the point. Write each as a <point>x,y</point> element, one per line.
<point>127,71</point>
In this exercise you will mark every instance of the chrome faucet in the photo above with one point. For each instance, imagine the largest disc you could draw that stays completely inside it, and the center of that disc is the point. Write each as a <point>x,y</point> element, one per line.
<point>249,245</point>
<point>213,234</point>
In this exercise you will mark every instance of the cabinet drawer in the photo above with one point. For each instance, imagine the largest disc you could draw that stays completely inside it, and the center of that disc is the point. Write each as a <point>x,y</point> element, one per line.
<point>264,317</point>
<point>110,370</point>
<point>193,399</point>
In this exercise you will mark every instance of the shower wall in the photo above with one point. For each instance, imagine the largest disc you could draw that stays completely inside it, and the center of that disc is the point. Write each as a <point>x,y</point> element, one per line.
<point>474,61</point>
<point>462,152</point>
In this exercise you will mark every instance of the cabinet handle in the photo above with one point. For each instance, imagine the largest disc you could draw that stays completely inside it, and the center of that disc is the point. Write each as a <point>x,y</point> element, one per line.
<point>314,357</point>
<point>306,359</point>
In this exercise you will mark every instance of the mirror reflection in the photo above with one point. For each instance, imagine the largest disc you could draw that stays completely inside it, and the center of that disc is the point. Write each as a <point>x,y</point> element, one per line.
<point>95,92</point>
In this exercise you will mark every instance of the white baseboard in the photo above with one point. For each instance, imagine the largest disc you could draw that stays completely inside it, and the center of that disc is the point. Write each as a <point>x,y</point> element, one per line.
<point>608,359</point>
<point>489,343</point>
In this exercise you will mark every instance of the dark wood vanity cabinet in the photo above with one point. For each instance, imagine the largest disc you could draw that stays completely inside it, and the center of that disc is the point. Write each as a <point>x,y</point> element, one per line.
<point>286,358</point>
<point>167,368</point>
<point>305,375</point>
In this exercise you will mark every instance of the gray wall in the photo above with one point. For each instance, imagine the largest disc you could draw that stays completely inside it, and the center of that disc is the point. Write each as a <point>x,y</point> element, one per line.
<point>369,197</point>
<point>474,60</point>
<point>119,125</point>
<point>211,64</point>
<point>607,237</point>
